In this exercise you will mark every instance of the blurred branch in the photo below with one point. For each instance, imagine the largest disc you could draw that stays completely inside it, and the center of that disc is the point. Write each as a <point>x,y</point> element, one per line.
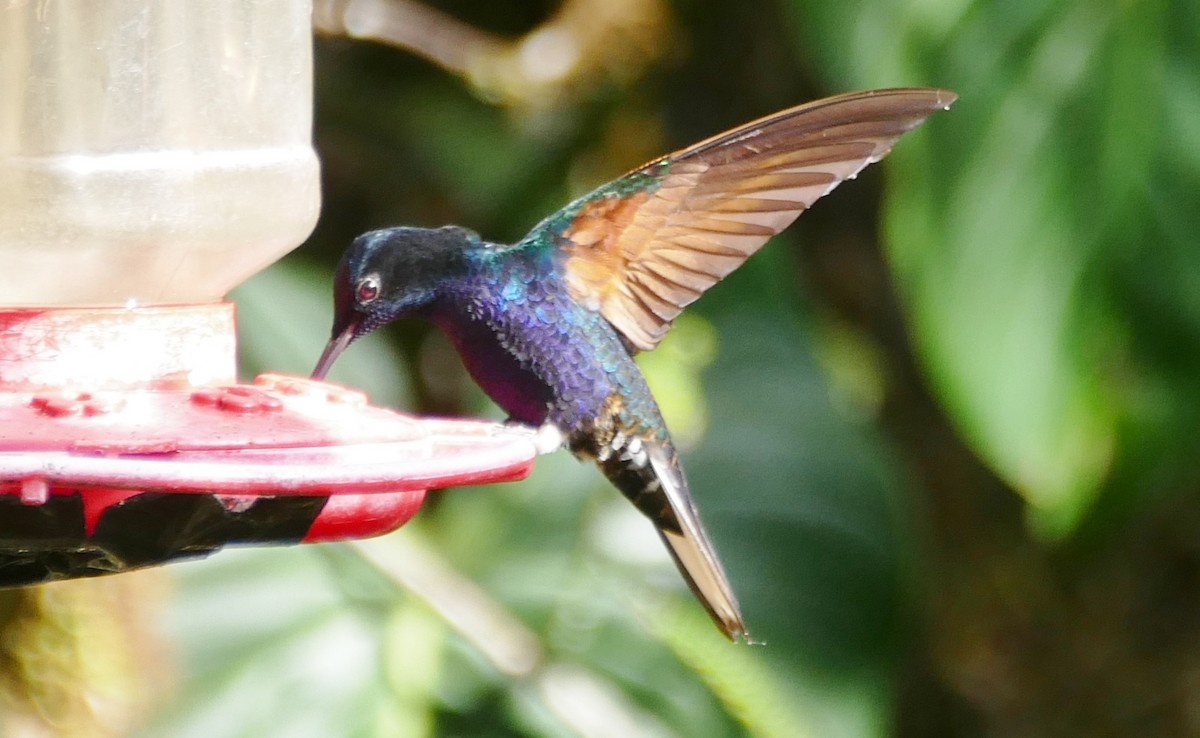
<point>591,705</point>
<point>748,689</point>
<point>584,43</point>
<point>430,33</point>
<point>80,658</point>
<point>502,639</point>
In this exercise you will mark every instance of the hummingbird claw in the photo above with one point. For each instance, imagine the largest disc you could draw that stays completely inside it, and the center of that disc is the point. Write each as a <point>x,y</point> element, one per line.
<point>548,438</point>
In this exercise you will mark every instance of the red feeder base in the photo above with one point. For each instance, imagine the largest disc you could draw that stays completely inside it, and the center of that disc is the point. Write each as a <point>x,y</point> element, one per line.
<point>124,442</point>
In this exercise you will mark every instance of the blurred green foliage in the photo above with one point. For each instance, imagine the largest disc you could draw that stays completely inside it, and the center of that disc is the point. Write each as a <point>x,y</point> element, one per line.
<point>1016,284</point>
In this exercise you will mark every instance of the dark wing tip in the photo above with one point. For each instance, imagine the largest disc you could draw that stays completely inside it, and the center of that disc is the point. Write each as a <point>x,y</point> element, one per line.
<point>914,103</point>
<point>693,552</point>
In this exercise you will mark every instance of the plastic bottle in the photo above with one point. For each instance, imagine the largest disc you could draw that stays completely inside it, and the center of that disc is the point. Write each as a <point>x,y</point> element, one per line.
<point>136,169</point>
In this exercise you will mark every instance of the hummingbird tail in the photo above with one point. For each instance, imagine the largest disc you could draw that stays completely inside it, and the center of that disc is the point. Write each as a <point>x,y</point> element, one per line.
<point>650,476</point>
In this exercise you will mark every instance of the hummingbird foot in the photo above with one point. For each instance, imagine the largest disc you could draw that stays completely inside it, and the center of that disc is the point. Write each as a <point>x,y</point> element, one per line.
<point>547,438</point>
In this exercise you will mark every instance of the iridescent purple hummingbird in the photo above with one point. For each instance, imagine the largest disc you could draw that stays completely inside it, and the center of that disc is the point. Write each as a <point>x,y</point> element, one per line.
<point>549,326</point>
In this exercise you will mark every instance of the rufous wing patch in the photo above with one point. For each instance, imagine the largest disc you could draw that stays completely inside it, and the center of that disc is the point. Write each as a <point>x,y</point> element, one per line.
<point>594,262</point>
<point>640,258</point>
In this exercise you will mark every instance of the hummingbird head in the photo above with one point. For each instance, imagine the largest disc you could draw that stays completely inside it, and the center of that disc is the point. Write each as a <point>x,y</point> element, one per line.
<point>389,274</point>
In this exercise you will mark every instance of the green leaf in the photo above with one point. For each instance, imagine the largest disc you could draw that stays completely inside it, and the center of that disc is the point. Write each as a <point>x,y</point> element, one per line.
<point>1029,228</point>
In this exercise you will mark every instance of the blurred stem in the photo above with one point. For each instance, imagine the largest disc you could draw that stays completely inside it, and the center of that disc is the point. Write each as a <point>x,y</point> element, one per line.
<point>747,689</point>
<point>77,658</point>
<point>500,637</point>
<point>586,42</point>
<point>586,702</point>
<point>442,39</point>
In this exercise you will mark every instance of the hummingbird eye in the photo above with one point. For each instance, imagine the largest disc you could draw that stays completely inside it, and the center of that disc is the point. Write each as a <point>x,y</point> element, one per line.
<point>367,289</point>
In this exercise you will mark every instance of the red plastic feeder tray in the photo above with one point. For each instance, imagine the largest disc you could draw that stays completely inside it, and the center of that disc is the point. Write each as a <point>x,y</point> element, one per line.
<point>125,443</point>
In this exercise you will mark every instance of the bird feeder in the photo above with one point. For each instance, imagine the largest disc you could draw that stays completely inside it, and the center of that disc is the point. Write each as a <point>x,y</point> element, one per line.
<point>153,155</point>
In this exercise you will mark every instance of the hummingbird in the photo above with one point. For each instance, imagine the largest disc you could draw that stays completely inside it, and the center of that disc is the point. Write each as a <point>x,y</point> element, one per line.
<point>549,326</point>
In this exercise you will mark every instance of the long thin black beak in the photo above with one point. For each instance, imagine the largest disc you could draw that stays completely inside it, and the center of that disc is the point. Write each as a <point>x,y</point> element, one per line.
<point>333,349</point>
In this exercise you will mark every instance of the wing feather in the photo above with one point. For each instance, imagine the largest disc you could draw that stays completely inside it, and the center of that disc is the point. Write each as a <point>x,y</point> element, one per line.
<point>642,248</point>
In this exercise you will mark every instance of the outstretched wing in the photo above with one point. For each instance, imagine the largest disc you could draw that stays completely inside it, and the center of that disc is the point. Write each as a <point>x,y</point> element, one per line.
<point>643,247</point>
